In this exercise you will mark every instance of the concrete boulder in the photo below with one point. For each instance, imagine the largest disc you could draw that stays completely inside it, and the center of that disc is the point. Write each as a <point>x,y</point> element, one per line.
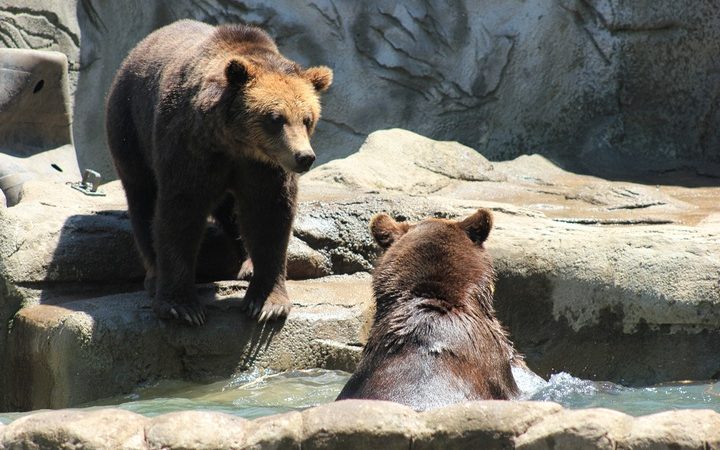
<point>35,120</point>
<point>675,429</point>
<point>592,428</point>
<point>197,430</point>
<point>487,425</point>
<point>358,424</point>
<point>361,424</point>
<point>106,428</point>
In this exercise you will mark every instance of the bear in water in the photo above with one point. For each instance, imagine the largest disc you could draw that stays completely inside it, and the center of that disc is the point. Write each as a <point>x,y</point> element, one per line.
<point>435,340</point>
<point>204,120</point>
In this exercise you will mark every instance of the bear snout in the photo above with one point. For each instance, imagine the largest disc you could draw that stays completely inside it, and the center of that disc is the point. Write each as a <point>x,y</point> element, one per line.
<point>304,161</point>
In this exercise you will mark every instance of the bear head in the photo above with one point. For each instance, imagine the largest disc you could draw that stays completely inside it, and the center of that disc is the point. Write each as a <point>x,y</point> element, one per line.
<point>441,260</point>
<point>270,108</point>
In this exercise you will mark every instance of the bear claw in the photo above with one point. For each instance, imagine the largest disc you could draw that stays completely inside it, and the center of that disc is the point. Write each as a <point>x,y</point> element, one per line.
<point>272,313</point>
<point>274,308</point>
<point>189,314</point>
<point>246,270</point>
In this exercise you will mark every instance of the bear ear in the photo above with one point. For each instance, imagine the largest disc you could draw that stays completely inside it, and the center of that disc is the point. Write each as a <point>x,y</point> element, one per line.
<point>386,231</point>
<point>236,72</point>
<point>478,226</point>
<point>321,77</point>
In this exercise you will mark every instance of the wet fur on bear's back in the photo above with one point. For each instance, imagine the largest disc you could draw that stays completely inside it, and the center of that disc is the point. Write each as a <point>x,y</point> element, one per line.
<point>435,340</point>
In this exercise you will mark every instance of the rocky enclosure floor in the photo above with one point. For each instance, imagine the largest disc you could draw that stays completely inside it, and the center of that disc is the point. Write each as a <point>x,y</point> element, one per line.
<point>598,278</point>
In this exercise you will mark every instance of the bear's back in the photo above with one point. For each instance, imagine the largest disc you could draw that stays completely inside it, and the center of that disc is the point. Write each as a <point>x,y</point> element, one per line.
<point>430,358</point>
<point>413,377</point>
<point>193,41</point>
<point>435,340</point>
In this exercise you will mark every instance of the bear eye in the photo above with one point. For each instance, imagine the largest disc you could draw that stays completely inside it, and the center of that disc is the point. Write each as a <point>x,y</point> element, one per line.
<point>307,122</point>
<point>274,122</point>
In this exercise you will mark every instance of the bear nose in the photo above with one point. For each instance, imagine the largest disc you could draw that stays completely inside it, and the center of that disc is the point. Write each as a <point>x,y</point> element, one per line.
<point>304,161</point>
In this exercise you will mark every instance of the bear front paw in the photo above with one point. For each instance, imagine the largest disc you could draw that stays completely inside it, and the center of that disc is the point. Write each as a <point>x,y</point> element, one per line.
<point>246,270</point>
<point>275,307</point>
<point>192,313</point>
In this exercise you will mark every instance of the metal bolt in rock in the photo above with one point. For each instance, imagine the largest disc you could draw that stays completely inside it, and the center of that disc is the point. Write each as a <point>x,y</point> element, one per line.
<point>89,184</point>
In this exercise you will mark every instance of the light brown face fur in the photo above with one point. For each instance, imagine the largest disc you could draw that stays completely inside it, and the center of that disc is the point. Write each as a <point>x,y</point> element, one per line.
<point>277,112</point>
<point>282,113</point>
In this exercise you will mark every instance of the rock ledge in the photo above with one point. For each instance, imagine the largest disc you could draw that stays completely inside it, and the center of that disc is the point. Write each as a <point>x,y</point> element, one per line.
<point>362,424</point>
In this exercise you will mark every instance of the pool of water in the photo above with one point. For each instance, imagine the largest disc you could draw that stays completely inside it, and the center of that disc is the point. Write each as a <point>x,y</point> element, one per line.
<point>575,393</point>
<point>260,394</point>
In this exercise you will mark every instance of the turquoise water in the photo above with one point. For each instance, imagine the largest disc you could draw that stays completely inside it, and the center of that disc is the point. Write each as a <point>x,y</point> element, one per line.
<point>260,394</point>
<point>575,393</point>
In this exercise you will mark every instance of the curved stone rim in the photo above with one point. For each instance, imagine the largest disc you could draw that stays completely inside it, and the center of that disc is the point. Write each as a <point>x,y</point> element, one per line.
<point>368,423</point>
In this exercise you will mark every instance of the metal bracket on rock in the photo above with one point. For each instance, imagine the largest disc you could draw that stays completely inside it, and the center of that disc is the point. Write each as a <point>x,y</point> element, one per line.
<point>89,184</point>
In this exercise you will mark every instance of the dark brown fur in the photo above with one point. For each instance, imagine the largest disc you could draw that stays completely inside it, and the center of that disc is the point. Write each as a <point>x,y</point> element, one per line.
<point>435,340</point>
<point>212,120</point>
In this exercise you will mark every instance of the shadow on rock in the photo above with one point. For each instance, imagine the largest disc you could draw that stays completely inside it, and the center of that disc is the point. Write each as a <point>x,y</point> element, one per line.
<point>95,255</point>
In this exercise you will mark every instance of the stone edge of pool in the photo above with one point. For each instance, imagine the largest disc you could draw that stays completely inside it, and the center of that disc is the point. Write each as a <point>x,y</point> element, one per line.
<point>367,424</point>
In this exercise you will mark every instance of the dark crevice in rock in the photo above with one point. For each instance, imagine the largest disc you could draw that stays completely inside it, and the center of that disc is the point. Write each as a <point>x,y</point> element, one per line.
<point>534,421</point>
<point>639,221</point>
<point>344,126</point>
<point>398,23</point>
<point>334,20</point>
<point>507,58</point>
<point>659,28</point>
<point>17,248</point>
<point>413,89</point>
<point>595,44</point>
<point>637,206</point>
<point>401,50</point>
<point>8,39</point>
<point>585,23</point>
<point>595,12</point>
<point>93,16</point>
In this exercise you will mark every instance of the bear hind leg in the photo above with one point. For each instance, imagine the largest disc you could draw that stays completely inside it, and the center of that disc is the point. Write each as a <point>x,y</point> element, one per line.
<point>137,177</point>
<point>225,215</point>
<point>179,224</point>
<point>141,199</point>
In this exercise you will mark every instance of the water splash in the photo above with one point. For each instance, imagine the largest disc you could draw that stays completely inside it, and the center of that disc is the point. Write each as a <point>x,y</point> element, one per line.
<point>575,393</point>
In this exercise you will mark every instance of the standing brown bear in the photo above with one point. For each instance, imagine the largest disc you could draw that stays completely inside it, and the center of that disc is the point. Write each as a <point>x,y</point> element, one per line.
<point>435,340</point>
<point>208,120</point>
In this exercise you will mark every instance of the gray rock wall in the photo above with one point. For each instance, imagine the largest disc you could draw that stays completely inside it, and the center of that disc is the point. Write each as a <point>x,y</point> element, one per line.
<point>599,85</point>
<point>43,25</point>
